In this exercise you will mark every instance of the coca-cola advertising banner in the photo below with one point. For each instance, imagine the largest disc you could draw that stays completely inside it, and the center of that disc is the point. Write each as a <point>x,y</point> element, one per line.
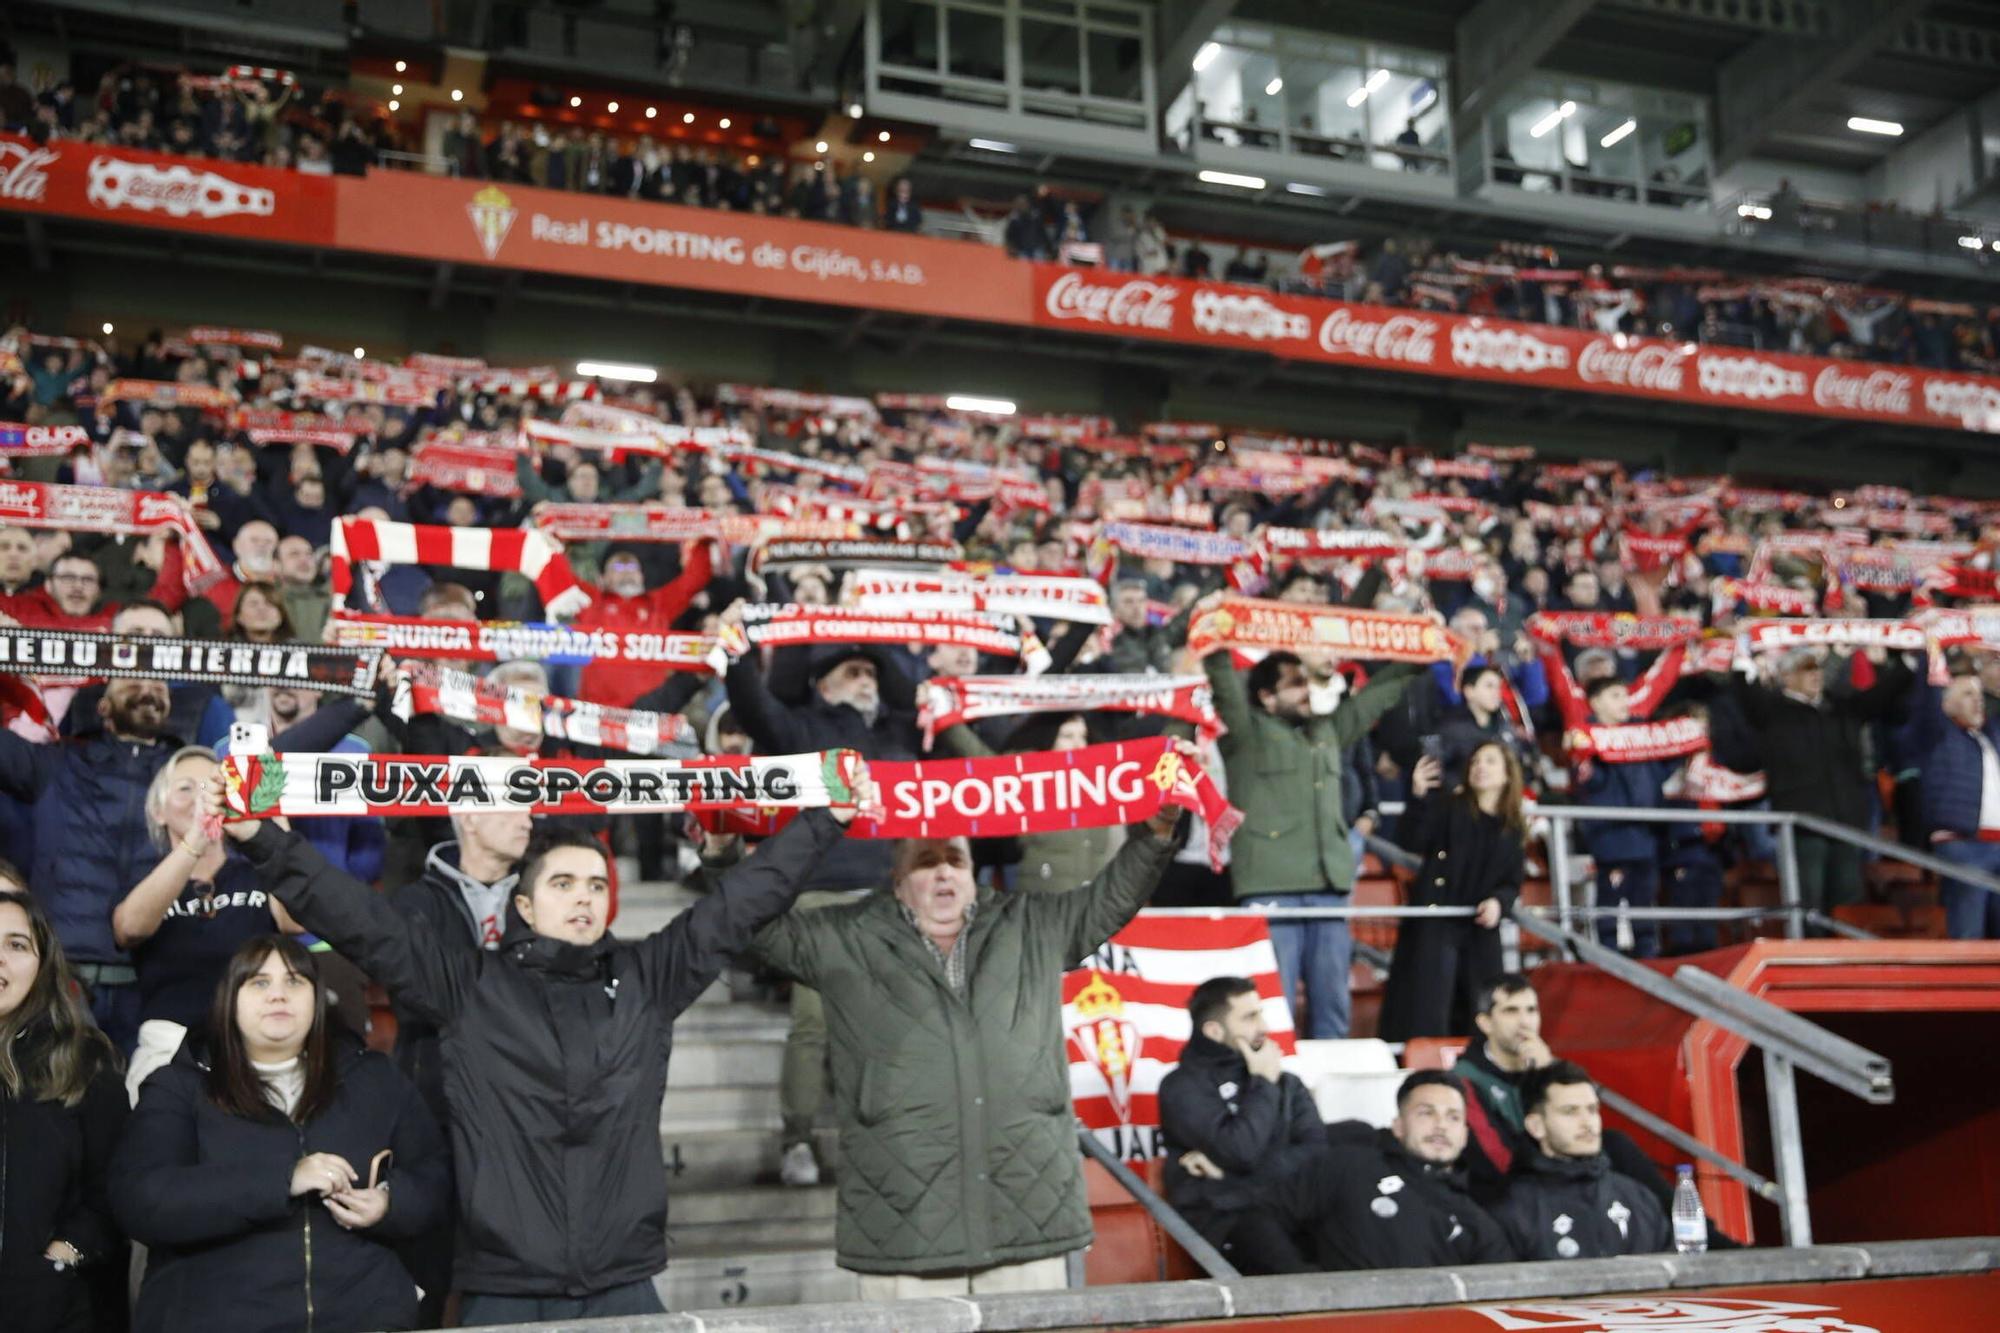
<point>1469,347</point>
<point>629,240</point>
<point>156,190</point>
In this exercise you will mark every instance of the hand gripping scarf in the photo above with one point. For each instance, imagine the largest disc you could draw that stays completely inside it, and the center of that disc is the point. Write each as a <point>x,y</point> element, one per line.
<point>1247,622</point>
<point>463,697</point>
<point>522,551</point>
<point>1040,596</point>
<point>948,700</point>
<point>309,785</point>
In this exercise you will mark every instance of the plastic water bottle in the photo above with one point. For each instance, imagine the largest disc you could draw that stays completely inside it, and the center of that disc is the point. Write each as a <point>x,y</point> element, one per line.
<point>1690,1222</point>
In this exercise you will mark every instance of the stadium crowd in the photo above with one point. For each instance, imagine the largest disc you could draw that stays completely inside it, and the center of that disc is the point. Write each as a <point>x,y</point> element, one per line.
<point>1521,628</point>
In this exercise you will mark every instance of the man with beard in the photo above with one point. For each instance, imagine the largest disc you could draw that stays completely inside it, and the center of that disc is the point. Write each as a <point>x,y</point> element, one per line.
<point>1565,1201</point>
<point>1397,1200</point>
<point>91,843</point>
<point>845,710</point>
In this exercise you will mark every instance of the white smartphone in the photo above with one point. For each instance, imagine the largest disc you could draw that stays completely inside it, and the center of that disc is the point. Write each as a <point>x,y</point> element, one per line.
<point>249,738</point>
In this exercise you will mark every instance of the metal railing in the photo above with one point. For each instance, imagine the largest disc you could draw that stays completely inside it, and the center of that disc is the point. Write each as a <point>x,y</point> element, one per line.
<point>1171,1222</point>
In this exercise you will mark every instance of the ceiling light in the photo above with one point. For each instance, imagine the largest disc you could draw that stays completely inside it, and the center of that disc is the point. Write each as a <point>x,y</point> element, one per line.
<point>1296,188</point>
<point>1376,80</point>
<point>820,147</point>
<point>394,105</point>
<point>1757,211</point>
<point>992,145</point>
<point>1553,119</point>
<point>724,122</point>
<point>1357,97</point>
<point>612,107</point>
<point>576,101</point>
<point>107,327</point>
<point>868,156</point>
<point>854,110</point>
<point>883,137</point>
<point>1274,87</point>
<point>457,96</point>
<point>1618,135</point>
<point>1231,178</point>
<point>616,370</point>
<point>687,117</point>
<point>402,65</point>
<point>396,90</point>
<point>651,112</point>
<point>1863,125</point>
<point>360,353</point>
<point>1206,56</point>
<point>965,402</point>
<point>1972,242</point>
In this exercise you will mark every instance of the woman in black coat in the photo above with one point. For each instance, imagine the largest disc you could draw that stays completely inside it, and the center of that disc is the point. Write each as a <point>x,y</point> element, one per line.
<point>272,1168</point>
<point>1471,842</point>
<point>62,1104</point>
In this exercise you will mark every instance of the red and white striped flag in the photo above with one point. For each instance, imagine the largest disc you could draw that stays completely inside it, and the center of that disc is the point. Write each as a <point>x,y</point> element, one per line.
<point>1125,1016</point>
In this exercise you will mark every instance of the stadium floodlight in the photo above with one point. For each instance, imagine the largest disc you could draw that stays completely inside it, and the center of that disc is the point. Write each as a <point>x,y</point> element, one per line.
<point>611,107</point>
<point>687,117</point>
<point>394,105</point>
<point>107,328</point>
<point>395,90</point>
<point>991,145</point>
<point>651,112</point>
<point>965,402</point>
<point>1760,212</point>
<point>724,122</point>
<point>854,110</point>
<point>1206,56</point>
<point>458,94</point>
<point>1553,119</point>
<point>882,137</point>
<point>1232,178</point>
<point>575,101</point>
<point>1972,242</point>
<point>361,354</point>
<point>1274,87</point>
<point>616,370</point>
<point>402,65</point>
<point>820,147</point>
<point>868,156</point>
<point>1618,135</point>
<point>1865,125</point>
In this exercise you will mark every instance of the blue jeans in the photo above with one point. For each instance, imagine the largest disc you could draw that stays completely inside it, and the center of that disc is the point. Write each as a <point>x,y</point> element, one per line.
<point>1321,951</point>
<point>1970,912</point>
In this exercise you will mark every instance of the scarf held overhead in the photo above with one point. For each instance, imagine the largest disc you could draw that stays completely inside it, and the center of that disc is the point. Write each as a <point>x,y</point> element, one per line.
<point>505,640</point>
<point>463,697</point>
<point>43,504</point>
<point>770,624</point>
<point>948,700</point>
<point>523,551</point>
<point>74,654</point>
<point>1247,622</point>
<point>294,785</point>
<point>1040,596</point>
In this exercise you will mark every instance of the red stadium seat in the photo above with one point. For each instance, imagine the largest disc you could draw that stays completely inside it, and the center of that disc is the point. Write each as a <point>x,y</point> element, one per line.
<point>1130,1246</point>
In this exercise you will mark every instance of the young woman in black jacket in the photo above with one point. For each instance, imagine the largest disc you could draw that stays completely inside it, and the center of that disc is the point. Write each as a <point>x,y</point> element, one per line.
<point>62,1105</point>
<point>1471,841</point>
<point>272,1168</point>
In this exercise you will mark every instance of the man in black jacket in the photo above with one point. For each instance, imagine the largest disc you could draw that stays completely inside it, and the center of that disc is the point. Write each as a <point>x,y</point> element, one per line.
<point>1231,1118</point>
<point>555,1051</point>
<point>1565,1201</point>
<point>1398,1200</point>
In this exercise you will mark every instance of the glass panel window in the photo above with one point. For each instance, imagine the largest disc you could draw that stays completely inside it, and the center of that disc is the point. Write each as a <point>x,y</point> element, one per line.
<point>909,33</point>
<point>1241,97</point>
<point>1051,57</point>
<point>977,45</point>
<point>1116,60</point>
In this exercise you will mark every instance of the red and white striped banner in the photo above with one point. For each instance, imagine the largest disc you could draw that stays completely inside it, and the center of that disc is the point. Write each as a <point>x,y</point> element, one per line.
<point>522,551</point>
<point>464,697</point>
<point>948,700</point>
<point>1125,1016</point>
<point>770,624</point>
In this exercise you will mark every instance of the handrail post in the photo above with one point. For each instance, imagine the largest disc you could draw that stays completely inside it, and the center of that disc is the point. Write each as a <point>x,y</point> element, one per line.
<point>1788,880</point>
<point>1197,1245</point>
<point>1788,1151</point>
<point>1559,867</point>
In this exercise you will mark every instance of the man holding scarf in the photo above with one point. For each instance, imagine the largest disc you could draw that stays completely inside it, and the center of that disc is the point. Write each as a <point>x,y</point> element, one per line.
<point>960,1173</point>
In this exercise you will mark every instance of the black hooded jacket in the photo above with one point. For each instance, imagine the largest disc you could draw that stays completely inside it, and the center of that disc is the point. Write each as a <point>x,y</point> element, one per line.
<point>1211,1103</point>
<point>1373,1205</point>
<point>229,1248</point>
<point>555,1056</point>
<point>1579,1208</point>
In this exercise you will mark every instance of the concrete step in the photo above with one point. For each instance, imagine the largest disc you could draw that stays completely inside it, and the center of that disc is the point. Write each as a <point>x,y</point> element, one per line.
<point>754,1203</point>
<point>724,1239</point>
<point>721,1106</point>
<point>707,1064</point>
<point>780,1276</point>
<point>716,1159</point>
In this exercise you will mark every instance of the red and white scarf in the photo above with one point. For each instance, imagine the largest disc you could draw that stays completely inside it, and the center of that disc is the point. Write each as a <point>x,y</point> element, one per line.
<point>892,555</point>
<point>1613,629</point>
<point>948,700</point>
<point>453,466</point>
<point>522,551</point>
<point>1768,598</point>
<point>1329,543</point>
<point>463,697</point>
<point>168,394</point>
<point>208,335</point>
<point>310,785</point>
<point>1710,783</point>
<point>1248,622</point>
<point>506,640</point>
<point>626,522</point>
<point>18,440</point>
<point>1633,742</point>
<point>1760,636</point>
<point>770,624</point>
<point>1038,596</point>
<point>46,504</point>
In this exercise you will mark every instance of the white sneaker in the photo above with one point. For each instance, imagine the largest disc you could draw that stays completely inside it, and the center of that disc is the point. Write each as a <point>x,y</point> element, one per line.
<point>798,1167</point>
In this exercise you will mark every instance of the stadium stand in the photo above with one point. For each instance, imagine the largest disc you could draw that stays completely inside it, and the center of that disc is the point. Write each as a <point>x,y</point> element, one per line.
<point>832,571</point>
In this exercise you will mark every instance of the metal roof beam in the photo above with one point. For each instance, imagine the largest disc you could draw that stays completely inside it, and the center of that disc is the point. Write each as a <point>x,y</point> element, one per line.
<point>1498,42</point>
<point>1178,32</point>
<point>1764,84</point>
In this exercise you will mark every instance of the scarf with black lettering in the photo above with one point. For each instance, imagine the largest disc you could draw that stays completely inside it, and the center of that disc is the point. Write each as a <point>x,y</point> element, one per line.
<point>947,700</point>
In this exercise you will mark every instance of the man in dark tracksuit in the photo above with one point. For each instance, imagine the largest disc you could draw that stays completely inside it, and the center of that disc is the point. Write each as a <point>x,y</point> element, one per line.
<point>555,1051</point>
<point>1397,1200</point>
<point>1565,1201</point>
<point>1234,1123</point>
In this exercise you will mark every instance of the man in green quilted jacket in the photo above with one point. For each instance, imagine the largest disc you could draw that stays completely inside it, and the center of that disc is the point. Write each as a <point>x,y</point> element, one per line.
<point>1284,758</point>
<point>959,1167</point>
